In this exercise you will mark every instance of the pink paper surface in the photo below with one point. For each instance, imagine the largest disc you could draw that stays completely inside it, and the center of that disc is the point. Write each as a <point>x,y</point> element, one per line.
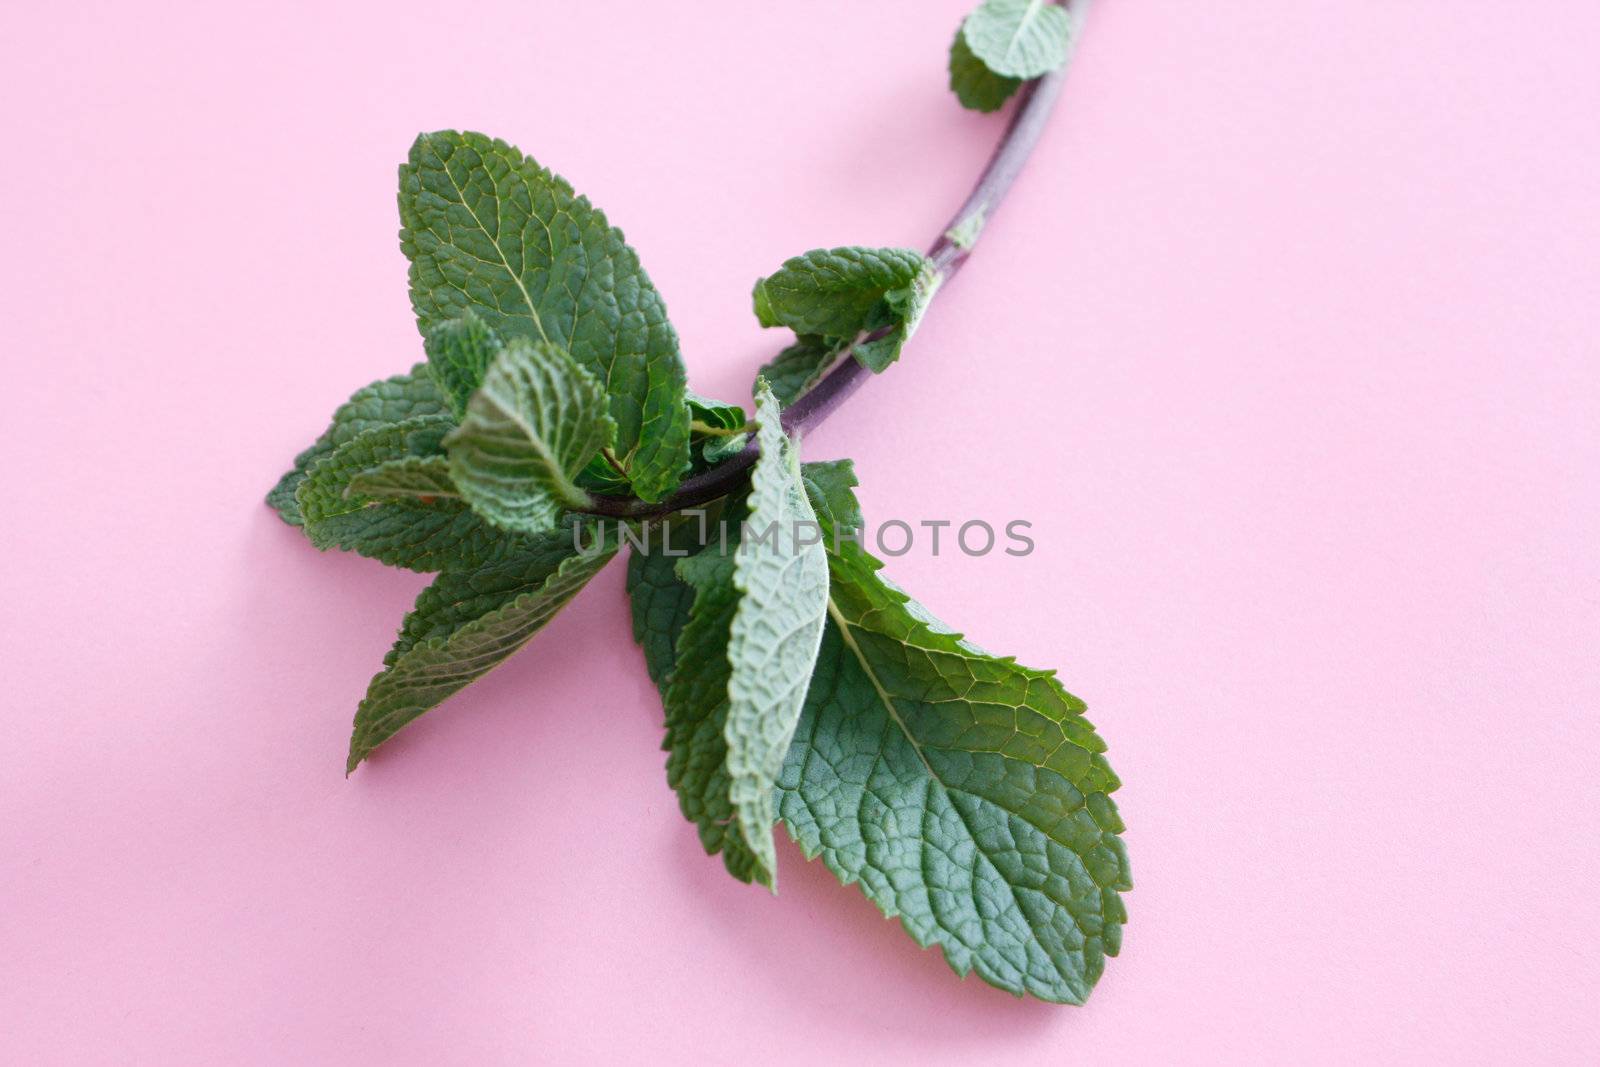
<point>1286,343</point>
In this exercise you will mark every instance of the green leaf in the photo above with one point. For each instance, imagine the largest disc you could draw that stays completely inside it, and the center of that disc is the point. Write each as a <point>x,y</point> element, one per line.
<point>468,622</point>
<point>718,430</point>
<point>828,486</point>
<point>326,491</point>
<point>660,599</point>
<point>459,354</point>
<point>835,292</point>
<point>966,794</point>
<point>773,638</point>
<point>716,414</point>
<point>800,366</point>
<point>744,659</point>
<point>696,704</point>
<point>424,477</point>
<point>487,228</point>
<point>717,449</point>
<point>440,536</point>
<point>388,401</point>
<point>1019,38</point>
<point>844,293</point>
<point>418,534</point>
<point>906,306</point>
<point>533,424</point>
<point>975,85</point>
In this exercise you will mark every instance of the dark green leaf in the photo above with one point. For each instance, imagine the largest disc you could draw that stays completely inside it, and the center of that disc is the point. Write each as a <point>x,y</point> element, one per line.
<point>966,794</point>
<point>487,228</point>
<point>391,400</point>
<point>460,351</point>
<point>843,294</point>
<point>468,622</point>
<point>800,366</point>
<point>975,85</point>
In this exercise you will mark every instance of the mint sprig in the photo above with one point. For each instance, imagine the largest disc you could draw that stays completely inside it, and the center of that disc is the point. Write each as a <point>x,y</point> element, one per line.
<point>551,424</point>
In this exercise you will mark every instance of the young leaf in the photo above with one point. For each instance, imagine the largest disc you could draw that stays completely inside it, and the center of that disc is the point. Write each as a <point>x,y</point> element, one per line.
<point>423,477</point>
<point>834,292</point>
<point>1019,38</point>
<point>326,492</point>
<point>717,449</point>
<point>342,501</point>
<point>468,622</point>
<point>906,306</point>
<point>460,351</point>
<point>715,414</point>
<point>718,430</point>
<point>843,293</point>
<point>800,366</point>
<point>533,424</point>
<point>391,400</point>
<point>487,228</point>
<point>975,85</point>
<point>745,658</point>
<point>966,794</point>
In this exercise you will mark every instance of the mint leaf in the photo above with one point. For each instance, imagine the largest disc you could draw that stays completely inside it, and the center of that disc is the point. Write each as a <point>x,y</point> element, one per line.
<point>468,622</point>
<point>717,449</point>
<point>967,795</point>
<point>828,486</point>
<point>834,292</point>
<point>696,702</point>
<point>440,536</point>
<point>660,599</point>
<point>325,492</point>
<point>718,430</point>
<point>378,404</point>
<point>533,424</point>
<point>843,293</point>
<point>459,354</point>
<point>773,638</point>
<point>715,414</point>
<point>743,658</point>
<point>342,503</point>
<point>800,366</point>
<point>424,477</point>
<point>487,228</point>
<point>1019,38</point>
<point>906,307</point>
<point>975,85</point>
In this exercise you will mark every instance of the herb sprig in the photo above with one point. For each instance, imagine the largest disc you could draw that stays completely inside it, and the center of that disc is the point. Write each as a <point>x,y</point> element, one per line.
<point>551,425</point>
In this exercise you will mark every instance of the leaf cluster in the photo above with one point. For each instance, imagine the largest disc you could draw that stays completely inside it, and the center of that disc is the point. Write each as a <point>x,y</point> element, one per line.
<point>965,794</point>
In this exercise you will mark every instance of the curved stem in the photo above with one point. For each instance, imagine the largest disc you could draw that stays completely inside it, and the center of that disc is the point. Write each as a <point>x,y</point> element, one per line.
<point>1035,102</point>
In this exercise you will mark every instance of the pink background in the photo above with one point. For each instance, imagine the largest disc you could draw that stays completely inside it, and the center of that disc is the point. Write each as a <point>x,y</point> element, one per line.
<point>1287,343</point>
